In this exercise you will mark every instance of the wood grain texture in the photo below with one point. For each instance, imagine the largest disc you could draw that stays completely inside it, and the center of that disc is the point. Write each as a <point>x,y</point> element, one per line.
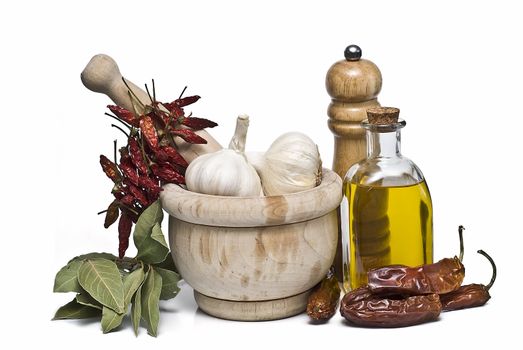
<point>354,87</point>
<point>103,75</point>
<point>254,263</point>
<point>253,211</point>
<point>253,310</point>
<point>254,249</point>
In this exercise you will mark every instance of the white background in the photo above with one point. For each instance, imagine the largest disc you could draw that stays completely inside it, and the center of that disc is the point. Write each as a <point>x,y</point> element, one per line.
<point>454,69</point>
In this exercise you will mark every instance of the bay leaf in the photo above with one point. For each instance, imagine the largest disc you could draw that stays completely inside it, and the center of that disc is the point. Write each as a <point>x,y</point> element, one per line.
<point>170,281</point>
<point>101,279</point>
<point>66,279</point>
<point>110,319</point>
<point>85,299</point>
<point>168,263</point>
<point>150,300</point>
<point>147,219</point>
<point>74,310</point>
<point>131,283</point>
<point>153,248</point>
<point>136,308</point>
<point>94,256</point>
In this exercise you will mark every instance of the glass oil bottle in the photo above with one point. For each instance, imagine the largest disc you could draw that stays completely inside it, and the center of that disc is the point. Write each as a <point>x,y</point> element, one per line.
<point>387,209</point>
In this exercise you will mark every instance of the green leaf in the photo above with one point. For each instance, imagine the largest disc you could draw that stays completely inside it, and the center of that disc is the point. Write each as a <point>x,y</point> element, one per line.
<point>101,279</point>
<point>131,283</point>
<point>74,310</point>
<point>110,319</point>
<point>66,279</point>
<point>147,219</point>
<point>151,290</point>
<point>136,308</point>
<point>168,263</point>
<point>85,299</point>
<point>158,236</point>
<point>153,249</point>
<point>170,281</point>
<point>94,256</point>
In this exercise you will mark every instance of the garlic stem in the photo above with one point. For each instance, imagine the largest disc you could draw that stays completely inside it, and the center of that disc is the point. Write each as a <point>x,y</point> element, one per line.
<point>240,134</point>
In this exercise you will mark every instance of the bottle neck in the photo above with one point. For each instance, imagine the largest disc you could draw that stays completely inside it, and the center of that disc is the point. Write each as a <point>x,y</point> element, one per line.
<point>383,144</point>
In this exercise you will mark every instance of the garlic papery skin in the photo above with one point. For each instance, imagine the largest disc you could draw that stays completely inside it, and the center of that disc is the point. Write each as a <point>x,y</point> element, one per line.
<point>225,172</point>
<point>291,164</point>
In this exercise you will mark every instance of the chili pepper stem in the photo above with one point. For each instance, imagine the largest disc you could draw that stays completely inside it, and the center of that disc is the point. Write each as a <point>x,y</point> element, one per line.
<point>115,142</point>
<point>494,269</point>
<point>122,130</point>
<point>461,245</point>
<point>149,94</point>
<point>121,121</point>
<point>101,212</point>
<point>131,92</point>
<point>154,90</point>
<point>185,88</point>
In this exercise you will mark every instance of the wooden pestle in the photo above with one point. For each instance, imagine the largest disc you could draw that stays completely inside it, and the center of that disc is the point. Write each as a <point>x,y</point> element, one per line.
<point>103,75</point>
<point>353,84</point>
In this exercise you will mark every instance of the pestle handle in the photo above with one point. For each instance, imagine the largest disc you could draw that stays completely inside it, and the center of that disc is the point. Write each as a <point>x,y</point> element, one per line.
<point>103,75</point>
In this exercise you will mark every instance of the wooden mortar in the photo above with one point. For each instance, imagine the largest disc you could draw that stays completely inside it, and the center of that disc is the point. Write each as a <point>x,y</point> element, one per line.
<point>254,258</point>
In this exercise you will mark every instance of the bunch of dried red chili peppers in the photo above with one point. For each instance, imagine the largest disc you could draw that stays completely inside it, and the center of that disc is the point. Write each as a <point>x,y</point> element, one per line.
<point>150,158</point>
<point>399,296</point>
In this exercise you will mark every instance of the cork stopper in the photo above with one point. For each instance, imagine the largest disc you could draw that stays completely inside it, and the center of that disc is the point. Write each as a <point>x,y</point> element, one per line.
<point>383,115</point>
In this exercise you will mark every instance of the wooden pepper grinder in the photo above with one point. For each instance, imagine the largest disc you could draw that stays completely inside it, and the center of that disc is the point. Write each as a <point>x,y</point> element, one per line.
<point>353,84</point>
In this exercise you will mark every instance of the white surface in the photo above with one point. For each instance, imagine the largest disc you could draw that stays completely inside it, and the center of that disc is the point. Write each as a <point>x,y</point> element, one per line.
<point>454,69</point>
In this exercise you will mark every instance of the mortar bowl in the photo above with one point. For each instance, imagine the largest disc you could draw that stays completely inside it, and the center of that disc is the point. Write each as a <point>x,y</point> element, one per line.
<point>254,258</point>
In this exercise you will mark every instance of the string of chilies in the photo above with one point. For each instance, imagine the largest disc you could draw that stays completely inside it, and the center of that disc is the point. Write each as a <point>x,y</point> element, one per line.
<point>150,158</point>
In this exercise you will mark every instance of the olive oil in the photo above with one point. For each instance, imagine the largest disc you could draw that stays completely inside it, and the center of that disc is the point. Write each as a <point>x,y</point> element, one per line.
<point>387,225</point>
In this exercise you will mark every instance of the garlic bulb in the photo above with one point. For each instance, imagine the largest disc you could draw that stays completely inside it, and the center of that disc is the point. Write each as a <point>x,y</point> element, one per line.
<point>291,164</point>
<point>225,172</point>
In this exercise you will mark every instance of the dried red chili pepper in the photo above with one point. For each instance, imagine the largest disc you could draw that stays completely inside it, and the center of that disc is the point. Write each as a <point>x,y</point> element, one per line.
<point>112,214</point>
<point>170,154</point>
<point>198,123</point>
<point>362,307</point>
<point>130,173</point>
<point>471,295</point>
<point>124,231</point>
<point>110,169</point>
<point>323,301</point>
<point>441,277</point>
<point>137,194</point>
<point>128,200</point>
<point>125,115</point>
<point>167,173</point>
<point>181,102</point>
<point>189,136</point>
<point>137,156</point>
<point>151,187</point>
<point>149,132</point>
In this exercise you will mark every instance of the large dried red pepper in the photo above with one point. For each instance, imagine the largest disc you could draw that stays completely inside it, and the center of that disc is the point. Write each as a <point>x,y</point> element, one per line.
<point>364,308</point>
<point>471,295</point>
<point>441,277</point>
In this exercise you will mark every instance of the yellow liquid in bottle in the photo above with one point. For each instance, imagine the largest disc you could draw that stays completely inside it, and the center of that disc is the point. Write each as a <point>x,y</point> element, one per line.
<point>388,225</point>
